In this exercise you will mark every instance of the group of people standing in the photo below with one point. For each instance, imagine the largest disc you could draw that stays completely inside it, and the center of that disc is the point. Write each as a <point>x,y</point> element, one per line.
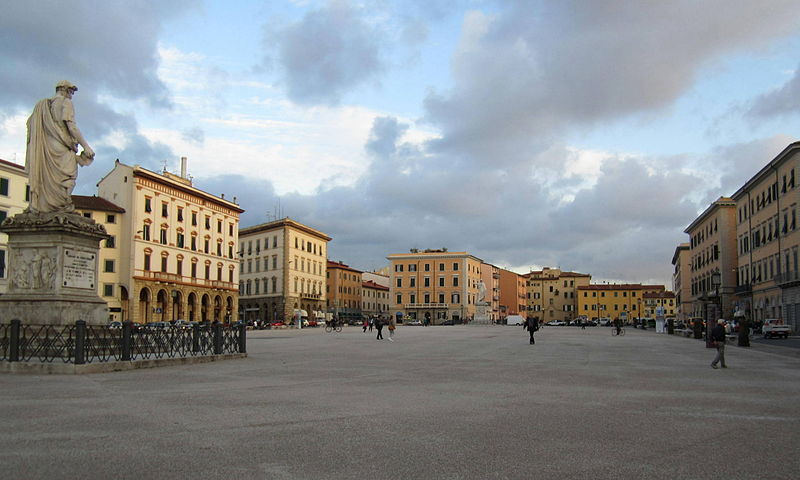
<point>378,324</point>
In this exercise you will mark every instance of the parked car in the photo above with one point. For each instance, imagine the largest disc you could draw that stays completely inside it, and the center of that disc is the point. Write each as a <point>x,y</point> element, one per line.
<point>774,327</point>
<point>556,323</point>
<point>447,322</point>
<point>137,327</point>
<point>115,325</point>
<point>605,322</point>
<point>312,323</point>
<point>180,324</point>
<point>157,325</point>
<point>417,323</point>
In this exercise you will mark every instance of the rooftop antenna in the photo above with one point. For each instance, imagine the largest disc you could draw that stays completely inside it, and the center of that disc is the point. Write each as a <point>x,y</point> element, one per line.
<point>164,168</point>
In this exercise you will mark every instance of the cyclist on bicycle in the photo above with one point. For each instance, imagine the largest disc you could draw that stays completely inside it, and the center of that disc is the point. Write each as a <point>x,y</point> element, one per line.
<point>618,325</point>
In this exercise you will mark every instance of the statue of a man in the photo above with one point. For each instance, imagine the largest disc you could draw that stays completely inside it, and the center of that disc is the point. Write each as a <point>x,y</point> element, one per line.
<point>481,292</point>
<point>51,158</point>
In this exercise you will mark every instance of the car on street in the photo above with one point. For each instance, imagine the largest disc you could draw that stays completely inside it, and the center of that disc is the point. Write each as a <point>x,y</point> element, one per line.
<point>447,322</point>
<point>115,325</point>
<point>774,327</point>
<point>556,323</point>
<point>413,323</point>
<point>157,325</point>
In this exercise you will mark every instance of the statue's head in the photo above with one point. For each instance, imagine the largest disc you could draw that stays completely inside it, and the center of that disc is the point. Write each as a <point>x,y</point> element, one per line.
<point>66,85</point>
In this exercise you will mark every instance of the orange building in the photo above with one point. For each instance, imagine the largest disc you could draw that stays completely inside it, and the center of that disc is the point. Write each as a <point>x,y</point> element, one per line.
<point>434,284</point>
<point>343,290</point>
<point>512,294</point>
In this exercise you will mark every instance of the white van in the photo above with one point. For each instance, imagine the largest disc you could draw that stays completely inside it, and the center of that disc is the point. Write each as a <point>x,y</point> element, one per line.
<point>514,320</point>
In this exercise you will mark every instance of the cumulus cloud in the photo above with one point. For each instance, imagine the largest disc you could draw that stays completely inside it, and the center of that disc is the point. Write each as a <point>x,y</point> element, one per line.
<point>327,53</point>
<point>522,76</point>
<point>781,101</point>
<point>108,49</point>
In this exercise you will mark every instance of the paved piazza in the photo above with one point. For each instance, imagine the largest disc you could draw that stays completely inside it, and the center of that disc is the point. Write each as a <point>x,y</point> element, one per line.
<point>438,403</point>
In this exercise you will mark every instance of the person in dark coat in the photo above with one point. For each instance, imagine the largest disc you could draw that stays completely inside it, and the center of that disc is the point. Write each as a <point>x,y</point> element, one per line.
<point>379,327</point>
<point>718,336</point>
<point>532,324</point>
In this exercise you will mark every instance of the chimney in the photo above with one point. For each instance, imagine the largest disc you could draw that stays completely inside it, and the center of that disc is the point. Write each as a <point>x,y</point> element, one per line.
<point>183,167</point>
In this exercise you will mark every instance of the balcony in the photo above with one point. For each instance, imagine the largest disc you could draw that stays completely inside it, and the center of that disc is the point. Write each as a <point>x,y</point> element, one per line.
<point>787,279</point>
<point>743,289</point>
<point>412,306</point>
<point>161,276</point>
<point>311,296</point>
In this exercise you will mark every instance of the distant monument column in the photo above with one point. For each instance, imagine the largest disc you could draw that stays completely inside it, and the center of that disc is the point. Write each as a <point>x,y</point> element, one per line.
<point>52,251</point>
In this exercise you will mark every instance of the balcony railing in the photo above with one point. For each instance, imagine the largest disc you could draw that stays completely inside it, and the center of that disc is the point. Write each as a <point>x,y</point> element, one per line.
<point>409,306</point>
<point>311,296</point>
<point>787,279</point>
<point>175,278</point>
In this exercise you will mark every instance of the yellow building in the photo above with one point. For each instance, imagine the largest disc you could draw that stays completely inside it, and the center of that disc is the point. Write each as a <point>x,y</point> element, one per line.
<point>553,294</point>
<point>344,286</point>
<point>434,284</point>
<point>681,281</point>
<point>112,217</point>
<point>176,247</point>
<point>623,301</point>
<point>713,254</point>
<point>767,238</point>
<point>283,269</point>
<point>374,299</point>
<point>653,301</point>
<point>14,194</point>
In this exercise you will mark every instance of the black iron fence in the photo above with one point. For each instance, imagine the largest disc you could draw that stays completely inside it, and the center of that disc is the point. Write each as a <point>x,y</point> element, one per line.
<point>80,343</point>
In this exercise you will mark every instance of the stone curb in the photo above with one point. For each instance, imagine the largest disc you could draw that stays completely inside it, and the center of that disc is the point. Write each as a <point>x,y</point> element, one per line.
<point>105,367</point>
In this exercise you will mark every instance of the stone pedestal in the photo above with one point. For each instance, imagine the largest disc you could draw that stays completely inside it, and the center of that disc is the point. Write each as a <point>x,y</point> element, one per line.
<point>53,270</point>
<point>481,314</point>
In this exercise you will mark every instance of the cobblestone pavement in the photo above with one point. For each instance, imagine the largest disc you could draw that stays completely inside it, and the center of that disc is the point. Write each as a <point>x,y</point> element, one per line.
<point>455,402</point>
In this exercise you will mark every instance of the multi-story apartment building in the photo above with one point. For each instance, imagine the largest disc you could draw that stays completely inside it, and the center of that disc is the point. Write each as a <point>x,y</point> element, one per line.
<point>344,285</point>
<point>176,247</point>
<point>767,237</point>
<point>283,269</point>
<point>434,284</point>
<point>713,255</point>
<point>112,217</point>
<point>490,274</point>
<point>623,301</point>
<point>512,294</point>
<point>14,197</point>
<point>552,294</point>
<point>681,281</point>
<point>374,299</point>
<point>653,301</point>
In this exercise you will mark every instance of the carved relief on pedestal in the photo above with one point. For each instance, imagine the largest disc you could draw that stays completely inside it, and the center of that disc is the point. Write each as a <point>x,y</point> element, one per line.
<point>34,269</point>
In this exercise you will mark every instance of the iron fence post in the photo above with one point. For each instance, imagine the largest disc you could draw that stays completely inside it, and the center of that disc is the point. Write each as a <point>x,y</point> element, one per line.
<point>217,338</point>
<point>242,338</point>
<point>13,354</point>
<point>126,340</point>
<point>80,341</point>
<point>196,337</point>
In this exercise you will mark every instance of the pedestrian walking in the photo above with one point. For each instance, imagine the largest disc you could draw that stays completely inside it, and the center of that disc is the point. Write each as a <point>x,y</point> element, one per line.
<point>392,327</point>
<point>532,324</point>
<point>371,323</point>
<point>379,327</point>
<point>718,337</point>
<point>365,323</point>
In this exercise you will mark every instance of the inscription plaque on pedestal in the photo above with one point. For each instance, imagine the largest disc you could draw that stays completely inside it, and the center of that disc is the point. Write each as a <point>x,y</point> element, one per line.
<point>79,268</point>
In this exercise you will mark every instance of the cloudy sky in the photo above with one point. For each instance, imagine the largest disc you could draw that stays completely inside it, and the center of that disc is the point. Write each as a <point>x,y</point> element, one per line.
<point>584,135</point>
